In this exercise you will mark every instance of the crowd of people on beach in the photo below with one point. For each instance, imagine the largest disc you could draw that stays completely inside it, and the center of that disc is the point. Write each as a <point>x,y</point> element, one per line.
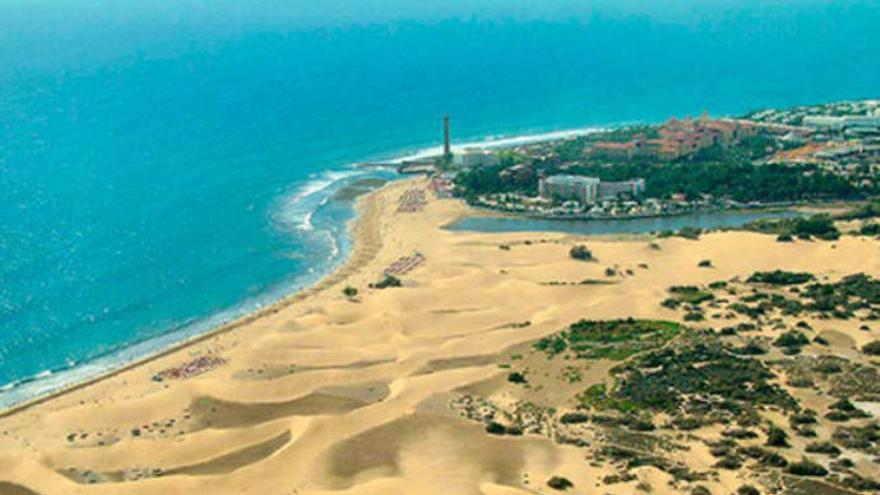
<point>197,366</point>
<point>404,264</point>
<point>412,201</point>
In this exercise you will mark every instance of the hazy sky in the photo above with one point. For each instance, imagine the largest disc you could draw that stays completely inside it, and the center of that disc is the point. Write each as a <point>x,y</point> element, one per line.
<point>38,15</point>
<point>78,33</point>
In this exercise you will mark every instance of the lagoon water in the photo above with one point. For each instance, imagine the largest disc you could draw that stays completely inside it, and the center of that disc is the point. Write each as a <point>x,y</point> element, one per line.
<point>702,220</point>
<point>168,165</point>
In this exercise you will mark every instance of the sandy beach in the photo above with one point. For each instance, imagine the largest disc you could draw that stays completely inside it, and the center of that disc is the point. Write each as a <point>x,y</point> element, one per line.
<point>329,393</point>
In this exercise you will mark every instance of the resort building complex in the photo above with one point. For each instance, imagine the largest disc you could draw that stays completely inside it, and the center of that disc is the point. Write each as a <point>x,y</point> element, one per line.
<point>469,158</point>
<point>677,139</point>
<point>851,123</point>
<point>587,190</point>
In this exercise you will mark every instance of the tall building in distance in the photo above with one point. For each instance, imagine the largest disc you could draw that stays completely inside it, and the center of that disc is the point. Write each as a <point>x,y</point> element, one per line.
<point>588,190</point>
<point>621,189</point>
<point>447,145</point>
<point>470,158</point>
<point>584,190</point>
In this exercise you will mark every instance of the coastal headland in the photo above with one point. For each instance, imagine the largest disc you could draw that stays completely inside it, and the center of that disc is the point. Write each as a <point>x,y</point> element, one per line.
<point>448,362</point>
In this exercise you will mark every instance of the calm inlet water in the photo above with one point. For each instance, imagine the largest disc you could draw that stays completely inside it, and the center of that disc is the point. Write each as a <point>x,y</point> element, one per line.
<point>708,220</point>
<point>167,165</point>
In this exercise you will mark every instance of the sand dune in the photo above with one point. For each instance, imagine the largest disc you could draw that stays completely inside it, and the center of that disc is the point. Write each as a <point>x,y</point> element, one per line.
<point>7,488</point>
<point>326,394</point>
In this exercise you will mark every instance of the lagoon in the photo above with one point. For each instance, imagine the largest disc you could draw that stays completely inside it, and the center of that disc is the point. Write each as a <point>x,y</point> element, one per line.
<point>703,220</point>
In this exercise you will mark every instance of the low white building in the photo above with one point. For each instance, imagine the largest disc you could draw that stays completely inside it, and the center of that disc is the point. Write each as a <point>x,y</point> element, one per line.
<point>824,122</point>
<point>588,190</point>
<point>469,158</point>
<point>585,190</point>
<point>840,124</point>
<point>627,188</point>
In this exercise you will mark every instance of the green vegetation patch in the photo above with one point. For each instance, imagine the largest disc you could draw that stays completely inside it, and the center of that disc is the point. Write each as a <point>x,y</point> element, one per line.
<point>807,486</point>
<point>819,226</point>
<point>559,483</point>
<point>843,298</point>
<point>870,229</point>
<point>699,377</point>
<point>857,381</point>
<point>854,295</point>
<point>614,339</point>
<point>581,252</point>
<point>690,294</point>
<point>865,438</point>
<point>863,212</point>
<point>780,277</point>
<point>598,398</point>
<point>386,282</point>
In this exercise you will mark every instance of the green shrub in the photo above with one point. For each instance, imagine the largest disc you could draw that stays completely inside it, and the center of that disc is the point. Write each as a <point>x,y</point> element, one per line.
<point>805,418</point>
<point>580,252</point>
<point>751,348</point>
<point>386,282</point>
<point>872,348</point>
<point>843,405</point>
<point>776,437</point>
<point>691,294</point>
<point>860,483</point>
<point>747,490</point>
<point>574,418</point>
<point>780,277</point>
<point>687,423</point>
<point>494,428</point>
<point>559,483</point>
<point>692,233</point>
<point>826,448</point>
<point>837,416</point>
<point>670,303</point>
<point>871,229</point>
<point>790,339</point>
<point>807,467</point>
<point>694,316</point>
<point>730,462</point>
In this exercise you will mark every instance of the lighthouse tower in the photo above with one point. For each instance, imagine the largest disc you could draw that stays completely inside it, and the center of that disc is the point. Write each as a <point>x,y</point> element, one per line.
<point>447,148</point>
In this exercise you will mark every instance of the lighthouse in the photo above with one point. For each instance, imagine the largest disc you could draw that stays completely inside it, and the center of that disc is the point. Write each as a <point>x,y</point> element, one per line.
<point>447,149</point>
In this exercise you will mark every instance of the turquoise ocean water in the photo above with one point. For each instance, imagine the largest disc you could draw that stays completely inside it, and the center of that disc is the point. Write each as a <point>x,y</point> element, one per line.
<point>169,165</point>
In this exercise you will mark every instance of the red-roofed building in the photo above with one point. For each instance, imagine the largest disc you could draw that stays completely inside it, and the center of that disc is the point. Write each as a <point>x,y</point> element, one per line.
<point>678,139</point>
<point>616,151</point>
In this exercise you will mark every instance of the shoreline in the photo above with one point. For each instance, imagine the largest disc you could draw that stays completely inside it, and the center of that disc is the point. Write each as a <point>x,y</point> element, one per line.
<point>115,368</point>
<point>364,249</point>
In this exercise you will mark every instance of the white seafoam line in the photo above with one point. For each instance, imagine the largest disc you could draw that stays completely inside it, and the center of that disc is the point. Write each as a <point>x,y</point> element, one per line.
<point>293,219</point>
<point>502,142</point>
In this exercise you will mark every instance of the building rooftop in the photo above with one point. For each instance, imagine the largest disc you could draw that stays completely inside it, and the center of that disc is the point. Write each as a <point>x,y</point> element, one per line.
<point>571,179</point>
